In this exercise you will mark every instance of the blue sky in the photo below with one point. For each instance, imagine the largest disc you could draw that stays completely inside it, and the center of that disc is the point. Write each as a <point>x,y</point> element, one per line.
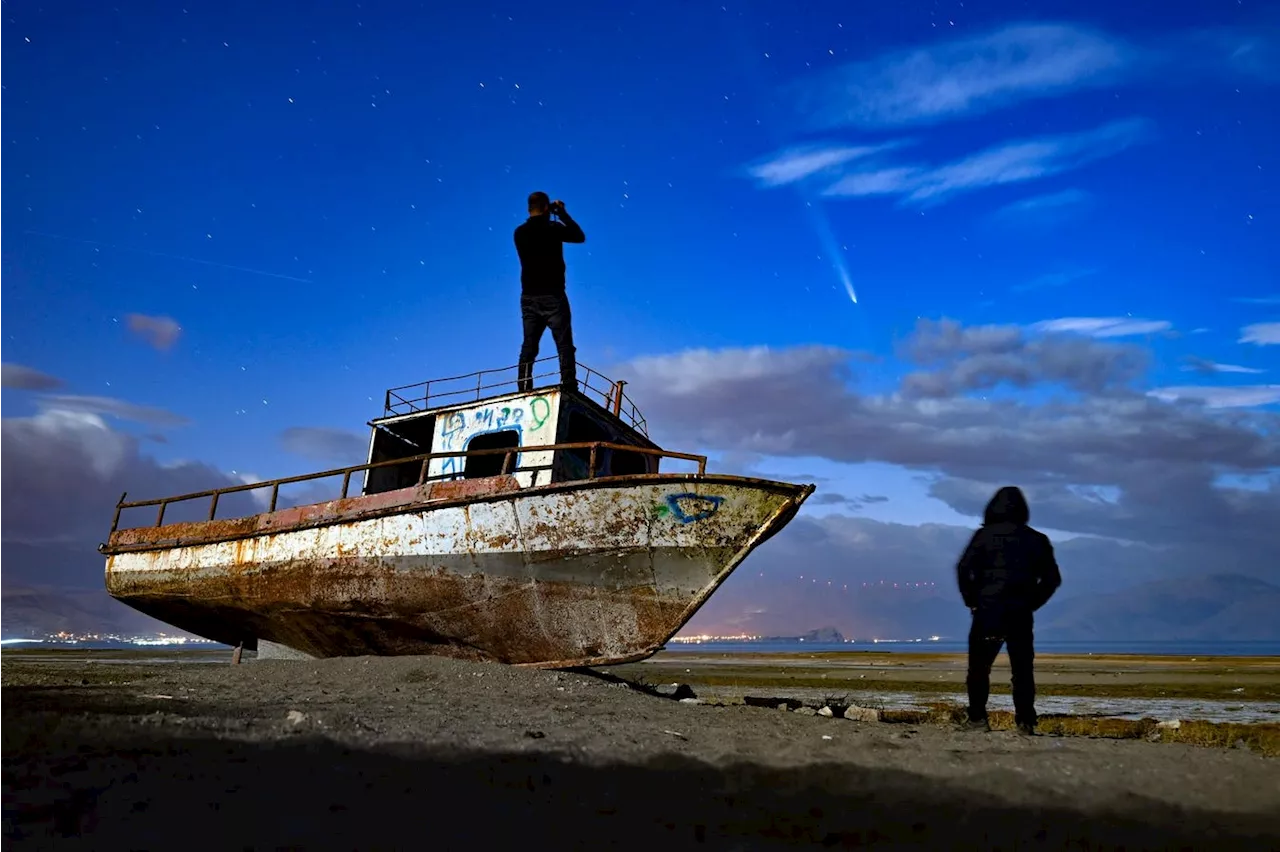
<point>299,208</point>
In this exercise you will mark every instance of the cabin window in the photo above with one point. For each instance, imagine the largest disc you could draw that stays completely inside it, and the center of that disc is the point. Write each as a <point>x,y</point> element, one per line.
<point>398,440</point>
<point>478,467</point>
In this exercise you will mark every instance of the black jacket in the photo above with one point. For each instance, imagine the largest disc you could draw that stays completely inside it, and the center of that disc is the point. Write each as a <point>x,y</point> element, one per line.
<point>540,243</point>
<point>1008,566</point>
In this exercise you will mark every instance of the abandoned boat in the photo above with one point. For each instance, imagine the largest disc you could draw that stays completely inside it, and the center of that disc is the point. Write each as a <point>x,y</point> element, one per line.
<point>530,527</point>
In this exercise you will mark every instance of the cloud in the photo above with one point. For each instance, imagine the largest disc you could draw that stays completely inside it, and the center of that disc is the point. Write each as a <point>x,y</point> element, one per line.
<point>839,570</point>
<point>333,445</point>
<point>1021,62</point>
<point>1104,326</point>
<point>797,163</point>
<point>983,357</point>
<point>834,498</point>
<point>964,77</point>
<point>1010,162</point>
<point>1200,365</point>
<point>1042,211</point>
<point>64,471</point>
<point>19,377</point>
<point>112,407</point>
<point>160,332</point>
<point>1240,396</point>
<point>1258,300</point>
<point>1038,205</point>
<point>1163,461</point>
<point>1261,333</point>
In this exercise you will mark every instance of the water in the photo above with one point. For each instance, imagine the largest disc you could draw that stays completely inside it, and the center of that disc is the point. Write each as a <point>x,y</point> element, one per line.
<point>949,646</point>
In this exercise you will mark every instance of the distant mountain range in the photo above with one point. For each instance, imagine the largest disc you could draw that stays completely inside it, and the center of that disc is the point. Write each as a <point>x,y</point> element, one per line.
<point>32,612</point>
<point>1217,607</point>
<point>1220,607</point>
<point>822,634</point>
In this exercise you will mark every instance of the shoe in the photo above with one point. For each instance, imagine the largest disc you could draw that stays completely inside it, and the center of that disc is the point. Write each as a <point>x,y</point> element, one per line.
<point>977,725</point>
<point>1028,729</point>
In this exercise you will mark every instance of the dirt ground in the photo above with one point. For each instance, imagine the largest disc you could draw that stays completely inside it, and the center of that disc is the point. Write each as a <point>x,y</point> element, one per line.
<point>416,752</point>
<point>1237,678</point>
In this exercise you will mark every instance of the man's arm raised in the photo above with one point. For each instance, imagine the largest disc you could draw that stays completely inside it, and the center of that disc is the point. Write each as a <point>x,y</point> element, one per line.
<point>572,230</point>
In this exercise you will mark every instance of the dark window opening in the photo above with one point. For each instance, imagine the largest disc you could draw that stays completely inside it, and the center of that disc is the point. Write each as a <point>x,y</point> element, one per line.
<point>478,467</point>
<point>398,440</point>
<point>626,464</point>
<point>584,430</point>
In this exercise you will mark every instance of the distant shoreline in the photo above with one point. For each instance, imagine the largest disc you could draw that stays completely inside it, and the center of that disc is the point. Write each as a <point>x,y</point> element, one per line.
<point>1044,647</point>
<point>741,654</point>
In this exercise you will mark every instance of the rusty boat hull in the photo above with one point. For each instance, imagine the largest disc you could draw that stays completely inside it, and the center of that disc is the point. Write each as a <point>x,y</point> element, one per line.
<point>580,573</point>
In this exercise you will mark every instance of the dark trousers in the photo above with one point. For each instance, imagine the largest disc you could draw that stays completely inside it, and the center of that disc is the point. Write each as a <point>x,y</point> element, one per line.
<point>540,313</point>
<point>988,632</point>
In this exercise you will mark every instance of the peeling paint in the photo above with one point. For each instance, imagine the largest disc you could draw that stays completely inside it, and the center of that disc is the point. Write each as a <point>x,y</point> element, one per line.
<point>566,574</point>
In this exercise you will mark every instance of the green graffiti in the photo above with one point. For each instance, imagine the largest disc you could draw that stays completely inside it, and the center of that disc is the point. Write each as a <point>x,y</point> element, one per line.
<point>541,414</point>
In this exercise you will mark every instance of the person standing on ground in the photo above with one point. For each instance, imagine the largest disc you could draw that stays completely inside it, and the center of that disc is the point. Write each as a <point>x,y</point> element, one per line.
<point>543,301</point>
<point>1007,572</point>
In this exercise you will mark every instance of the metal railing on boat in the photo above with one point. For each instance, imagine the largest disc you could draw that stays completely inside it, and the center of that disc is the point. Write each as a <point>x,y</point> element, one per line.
<point>424,461</point>
<point>459,390</point>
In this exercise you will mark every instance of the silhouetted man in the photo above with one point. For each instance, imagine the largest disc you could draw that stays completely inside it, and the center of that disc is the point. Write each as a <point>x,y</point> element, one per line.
<point>1006,573</point>
<point>543,302</point>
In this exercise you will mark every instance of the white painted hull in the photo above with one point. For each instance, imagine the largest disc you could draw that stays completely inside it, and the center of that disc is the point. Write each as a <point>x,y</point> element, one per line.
<point>575,574</point>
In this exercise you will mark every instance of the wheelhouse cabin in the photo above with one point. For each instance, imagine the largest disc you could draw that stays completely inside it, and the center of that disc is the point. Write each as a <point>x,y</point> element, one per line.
<point>482,425</point>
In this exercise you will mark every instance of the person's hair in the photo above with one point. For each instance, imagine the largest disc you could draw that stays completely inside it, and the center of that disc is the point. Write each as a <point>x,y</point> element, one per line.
<point>539,202</point>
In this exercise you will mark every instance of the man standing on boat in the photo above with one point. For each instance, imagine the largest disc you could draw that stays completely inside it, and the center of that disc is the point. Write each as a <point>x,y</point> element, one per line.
<point>1007,572</point>
<point>543,301</point>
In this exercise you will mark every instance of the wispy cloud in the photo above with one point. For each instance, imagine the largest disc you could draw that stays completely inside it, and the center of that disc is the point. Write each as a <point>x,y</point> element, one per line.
<point>1052,279</point>
<point>1019,63</point>
<point>1200,365</point>
<point>1258,300</point>
<point>1053,204</point>
<point>964,77</point>
<point>112,407</point>
<point>1010,162</point>
<point>1243,396</point>
<point>801,162</point>
<point>19,377</point>
<point>1103,326</point>
<point>160,332</point>
<point>1261,333</point>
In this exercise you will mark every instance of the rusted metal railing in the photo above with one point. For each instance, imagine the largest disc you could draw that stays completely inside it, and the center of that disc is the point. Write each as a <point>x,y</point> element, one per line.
<point>424,460</point>
<point>422,396</point>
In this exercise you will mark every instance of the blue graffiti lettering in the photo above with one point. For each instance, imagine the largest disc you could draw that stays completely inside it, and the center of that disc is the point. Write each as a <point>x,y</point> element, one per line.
<point>453,426</point>
<point>687,508</point>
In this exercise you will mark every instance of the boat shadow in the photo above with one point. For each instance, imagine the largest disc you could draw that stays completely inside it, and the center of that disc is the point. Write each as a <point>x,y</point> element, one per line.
<point>203,792</point>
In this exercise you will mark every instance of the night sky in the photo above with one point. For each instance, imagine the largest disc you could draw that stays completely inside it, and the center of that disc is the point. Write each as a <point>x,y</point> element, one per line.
<point>908,251</point>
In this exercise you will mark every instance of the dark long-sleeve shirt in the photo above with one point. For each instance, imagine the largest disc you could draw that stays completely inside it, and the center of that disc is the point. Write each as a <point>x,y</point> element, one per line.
<point>540,243</point>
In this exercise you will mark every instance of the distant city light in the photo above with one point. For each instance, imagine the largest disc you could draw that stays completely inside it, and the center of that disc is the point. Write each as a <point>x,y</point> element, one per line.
<point>705,638</point>
<point>66,637</point>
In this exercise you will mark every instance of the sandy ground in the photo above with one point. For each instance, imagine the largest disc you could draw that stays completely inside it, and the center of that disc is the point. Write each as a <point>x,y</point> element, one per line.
<point>426,752</point>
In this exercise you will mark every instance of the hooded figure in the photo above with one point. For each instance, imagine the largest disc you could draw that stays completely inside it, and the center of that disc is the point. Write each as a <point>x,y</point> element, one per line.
<point>1007,572</point>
